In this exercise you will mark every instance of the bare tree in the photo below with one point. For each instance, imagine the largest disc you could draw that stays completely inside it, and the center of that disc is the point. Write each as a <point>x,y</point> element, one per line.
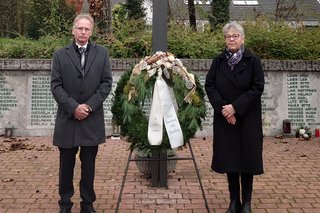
<point>108,15</point>
<point>13,17</point>
<point>192,14</point>
<point>169,11</point>
<point>286,10</point>
<point>85,6</point>
<point>100,10</point>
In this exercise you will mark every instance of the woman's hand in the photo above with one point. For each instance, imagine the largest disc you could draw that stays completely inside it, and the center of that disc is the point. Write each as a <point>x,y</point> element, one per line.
<point>228,111</point>
<point>232,120</point>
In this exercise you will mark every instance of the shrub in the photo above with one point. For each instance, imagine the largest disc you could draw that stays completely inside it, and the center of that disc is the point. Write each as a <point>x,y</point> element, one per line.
<point>186,43</point>
<point>268,40</point>
<point>49,17</point>
<point>25,48</point>
<point>280,41</point>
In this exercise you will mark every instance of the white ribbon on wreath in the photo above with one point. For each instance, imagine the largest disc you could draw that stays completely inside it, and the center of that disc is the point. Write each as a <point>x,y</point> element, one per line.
<point>162,110</point>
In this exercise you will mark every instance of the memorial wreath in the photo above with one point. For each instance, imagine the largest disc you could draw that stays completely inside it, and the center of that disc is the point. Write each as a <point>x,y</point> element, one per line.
<point>137,90</point>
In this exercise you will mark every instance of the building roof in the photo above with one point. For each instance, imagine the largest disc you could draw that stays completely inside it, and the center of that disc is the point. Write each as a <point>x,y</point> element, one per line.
<point>307,9</point>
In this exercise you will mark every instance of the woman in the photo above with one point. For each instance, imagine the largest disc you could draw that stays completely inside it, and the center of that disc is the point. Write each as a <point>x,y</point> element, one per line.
<point>234,85</point>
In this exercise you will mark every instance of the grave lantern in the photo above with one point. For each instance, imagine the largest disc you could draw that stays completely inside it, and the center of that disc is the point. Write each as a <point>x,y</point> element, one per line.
<point>286,126</point>
<point>8,130</point>
<point>115,129</point>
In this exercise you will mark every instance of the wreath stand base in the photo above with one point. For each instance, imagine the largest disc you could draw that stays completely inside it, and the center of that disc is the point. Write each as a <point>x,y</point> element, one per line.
<point>159,169</point>
<point>145,166</point>
<point>162,169</point>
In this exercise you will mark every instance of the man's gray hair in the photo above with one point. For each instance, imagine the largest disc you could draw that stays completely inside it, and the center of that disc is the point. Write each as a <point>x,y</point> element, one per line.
<point>83,16</point>
<point>233,25</point>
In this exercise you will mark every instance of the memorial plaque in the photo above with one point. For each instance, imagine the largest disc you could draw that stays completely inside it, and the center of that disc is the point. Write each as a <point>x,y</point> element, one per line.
<point>291,92</point>
<point>271,101</point>
<point>7,98</point>
<point>302,100</point>
<point>42,106</point>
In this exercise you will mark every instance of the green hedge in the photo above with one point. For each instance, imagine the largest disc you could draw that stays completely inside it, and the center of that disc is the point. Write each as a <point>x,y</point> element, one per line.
<point>269,41</point>
<point>25,48</point>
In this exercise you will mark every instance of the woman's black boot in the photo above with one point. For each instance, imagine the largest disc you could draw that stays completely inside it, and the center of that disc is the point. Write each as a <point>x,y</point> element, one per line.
<point>247,186</point>
<point>246,207</point>
<point>234,207</point>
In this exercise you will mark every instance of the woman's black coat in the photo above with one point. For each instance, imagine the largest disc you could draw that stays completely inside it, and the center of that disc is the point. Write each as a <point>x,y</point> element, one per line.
<point>237,148</point>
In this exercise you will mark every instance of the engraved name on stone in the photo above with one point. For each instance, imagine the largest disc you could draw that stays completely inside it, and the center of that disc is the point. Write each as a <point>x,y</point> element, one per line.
<point>301,110</point>
<point>7,98</point>
<point>43,107</point>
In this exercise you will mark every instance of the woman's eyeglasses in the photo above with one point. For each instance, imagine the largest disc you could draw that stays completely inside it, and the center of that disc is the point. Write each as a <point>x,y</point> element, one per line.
<point>234,36</point>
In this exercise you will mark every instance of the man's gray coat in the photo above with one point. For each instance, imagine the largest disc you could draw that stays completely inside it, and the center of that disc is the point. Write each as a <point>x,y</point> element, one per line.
<point>71,88</point>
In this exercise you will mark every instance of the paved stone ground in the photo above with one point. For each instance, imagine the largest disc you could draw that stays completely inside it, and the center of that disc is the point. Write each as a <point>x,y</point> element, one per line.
<point>29,171</point>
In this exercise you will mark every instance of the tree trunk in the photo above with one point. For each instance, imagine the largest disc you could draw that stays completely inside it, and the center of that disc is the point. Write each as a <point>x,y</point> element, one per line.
<point>108,16</point>
<point>100,10</point>
<point>192,15</point>
<point>85,6</point>
<point>169,12</point>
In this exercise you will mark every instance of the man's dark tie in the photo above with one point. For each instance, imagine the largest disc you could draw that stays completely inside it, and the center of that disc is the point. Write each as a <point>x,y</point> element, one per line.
<point>82,51</point>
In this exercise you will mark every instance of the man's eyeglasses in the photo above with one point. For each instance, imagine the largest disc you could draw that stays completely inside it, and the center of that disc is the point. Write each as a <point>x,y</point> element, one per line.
<point>81,29</point>
<point>234,36</point>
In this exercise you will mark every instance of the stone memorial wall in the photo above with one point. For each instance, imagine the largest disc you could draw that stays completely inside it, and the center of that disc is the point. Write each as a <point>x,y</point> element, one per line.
<point>292,91</point>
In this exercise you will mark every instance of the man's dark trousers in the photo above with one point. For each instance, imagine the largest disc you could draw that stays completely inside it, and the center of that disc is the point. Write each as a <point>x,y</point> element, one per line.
<point>66,189</point>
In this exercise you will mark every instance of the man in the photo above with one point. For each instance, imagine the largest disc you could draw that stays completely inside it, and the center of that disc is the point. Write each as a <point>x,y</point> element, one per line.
<point>80,81</point>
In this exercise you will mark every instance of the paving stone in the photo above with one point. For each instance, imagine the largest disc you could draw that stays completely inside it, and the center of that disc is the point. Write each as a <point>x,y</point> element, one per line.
<point>29,179</point>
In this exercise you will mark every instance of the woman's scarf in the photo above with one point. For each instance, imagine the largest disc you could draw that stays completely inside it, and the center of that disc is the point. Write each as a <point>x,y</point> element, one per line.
<point>234,58</point>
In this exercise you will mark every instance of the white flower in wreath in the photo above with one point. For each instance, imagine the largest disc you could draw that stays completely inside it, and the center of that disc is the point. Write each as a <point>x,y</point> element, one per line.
<point>302,131</point>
